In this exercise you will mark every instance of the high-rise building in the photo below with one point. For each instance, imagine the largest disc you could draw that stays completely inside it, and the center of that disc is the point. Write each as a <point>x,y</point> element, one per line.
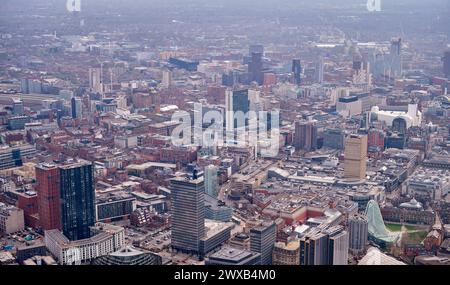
<point>358,229</point>
<point>320,70</point>
<point>95,80</point>
<point>188,213</point>
<point>376,138</point>
<point>337,246</point>
<point>313,249</point>
<point>166,79</point>
<point>396,68</point>
<point>256,49</point>
<point>324,247</point>
<point>17,107</point>
<point>77,199</point>
<point>77,108</point>
<point>297,71</point>
<point>334,138</point>
<point>446,60</point>
<point>255,68</point>
<point>305,136</point>
<point>262,241</point>
<point>237,104</point>
<point>211,181</point>
<point>355,156</point>
<point>47,187</point>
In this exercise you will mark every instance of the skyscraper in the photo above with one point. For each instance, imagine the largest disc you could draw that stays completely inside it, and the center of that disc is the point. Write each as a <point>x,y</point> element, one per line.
<point>313,249</point>
<point>211,183</point>
<point>77,199</point>
<point>305,136</point>
<point>297,71</point>
<point>256,49</point>
<point>358,228</point>
<point>166,81</point>
<point>188,213</point>
<point>324,247</point>
<point>396,68</point>
<point>262,241</point>
<point>255,68</point>
<point>236,102</point>
<point>337,246</point>
<point>47,187</point>
<point>95,80</point>
<point>355,156</point>
<point>77,108</point>
<point>446,60</point>
<point>319,70</point>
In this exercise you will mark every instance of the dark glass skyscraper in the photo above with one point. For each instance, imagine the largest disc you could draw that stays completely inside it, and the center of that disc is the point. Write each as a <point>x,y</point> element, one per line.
<point>262,241</point>
<point>297,71</point>
<point>446,60</point>
<point>255,68</point>
<point>77,199</point>
<point>237,101</point>
<point>188,214</point>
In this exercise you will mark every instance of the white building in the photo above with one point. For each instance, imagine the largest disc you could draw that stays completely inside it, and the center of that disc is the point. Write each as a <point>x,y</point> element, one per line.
<point>105,240</point>
<point>413,116</point>
<point>211,183</point>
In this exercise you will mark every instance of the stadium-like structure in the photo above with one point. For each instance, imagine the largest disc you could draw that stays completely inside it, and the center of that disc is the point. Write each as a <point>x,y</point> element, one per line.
<point>377,229</point>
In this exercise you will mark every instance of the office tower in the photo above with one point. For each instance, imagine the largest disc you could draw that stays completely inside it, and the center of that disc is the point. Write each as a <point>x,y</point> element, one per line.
<point>319,70</point>
<point>95,80</point>
<point>77,199</point>
<point>47,188</point>
<point>337,246</point>
<point>286,254</point>
<point>77,108</point>
<point>188,214</point>
<point>334,138</point>
<point>166,79</point>
<point>297,71</point>
<point>256,49</point>
<point>236,101</point>
<point>255,68</point>
<point>355,156</point>
<point>17,107</point>
<point>396,58</point>
<point>262,241</point>
<point>211,182</point>
<point>327,246</point>
<point>305,136</point>
<point>358,229</point>
<point>446,60</point>
<point>313,249</point>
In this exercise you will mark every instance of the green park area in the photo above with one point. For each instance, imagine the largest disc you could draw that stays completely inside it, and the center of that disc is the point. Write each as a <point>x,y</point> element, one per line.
<point>416,234</point>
